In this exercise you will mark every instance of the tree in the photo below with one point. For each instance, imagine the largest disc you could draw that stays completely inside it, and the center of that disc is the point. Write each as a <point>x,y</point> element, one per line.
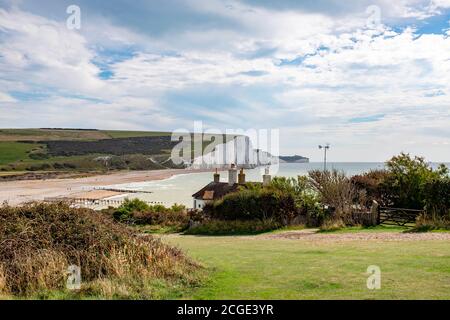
<point>406,182</point>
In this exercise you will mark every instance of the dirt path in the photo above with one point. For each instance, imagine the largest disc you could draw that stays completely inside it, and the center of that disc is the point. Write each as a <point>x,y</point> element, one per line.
<point>312,235</point>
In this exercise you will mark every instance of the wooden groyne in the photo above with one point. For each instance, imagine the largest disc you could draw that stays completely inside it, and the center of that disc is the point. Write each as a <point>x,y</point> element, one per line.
<point>123,190</point>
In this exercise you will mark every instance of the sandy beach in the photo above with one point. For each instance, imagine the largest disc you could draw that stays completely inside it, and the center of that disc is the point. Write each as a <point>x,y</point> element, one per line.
<point>17,192</point>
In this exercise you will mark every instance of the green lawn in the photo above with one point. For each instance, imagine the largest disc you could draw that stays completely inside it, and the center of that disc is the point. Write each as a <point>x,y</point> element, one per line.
<point>14,151</point>
<point>255,267</point>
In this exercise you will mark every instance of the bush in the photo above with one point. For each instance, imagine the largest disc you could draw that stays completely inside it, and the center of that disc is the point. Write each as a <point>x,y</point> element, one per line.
<point>372,183</point>
<point>306,200</point>
<point>254,204</point>
<point>332,225</point>
<point>139,212</point>
<point>38,155</point>
<point>405,185</point>
<point>234,227</point>
<point>40,241</point>
<point>426,223</point>
<point>437,197</point>
<point>127,209</point>
<point>335,190</point>
<point>39,167</point>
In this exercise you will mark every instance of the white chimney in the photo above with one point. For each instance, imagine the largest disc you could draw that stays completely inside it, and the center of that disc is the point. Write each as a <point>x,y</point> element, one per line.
<point>232,175</point>
<point>267,178</point>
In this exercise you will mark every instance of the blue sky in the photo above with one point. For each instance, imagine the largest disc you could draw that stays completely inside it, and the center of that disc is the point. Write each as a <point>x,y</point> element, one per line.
<point>370,77</point>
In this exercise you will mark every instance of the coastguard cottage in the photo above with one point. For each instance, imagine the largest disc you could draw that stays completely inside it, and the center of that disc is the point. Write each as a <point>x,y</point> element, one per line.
<point>216,190</point>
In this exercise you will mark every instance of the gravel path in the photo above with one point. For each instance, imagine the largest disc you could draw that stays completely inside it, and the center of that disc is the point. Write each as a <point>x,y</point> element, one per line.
<point>312,235</point>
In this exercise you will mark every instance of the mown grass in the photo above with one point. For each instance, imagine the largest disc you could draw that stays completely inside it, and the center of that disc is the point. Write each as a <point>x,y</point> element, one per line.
<point>236,227</point>
<point>262,268</point>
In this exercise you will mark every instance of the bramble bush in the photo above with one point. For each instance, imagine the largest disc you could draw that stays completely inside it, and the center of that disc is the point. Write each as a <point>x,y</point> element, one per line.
<point>40,241</point>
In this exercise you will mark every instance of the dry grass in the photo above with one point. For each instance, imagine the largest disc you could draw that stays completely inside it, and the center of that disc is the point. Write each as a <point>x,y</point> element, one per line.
<point>38,242</point>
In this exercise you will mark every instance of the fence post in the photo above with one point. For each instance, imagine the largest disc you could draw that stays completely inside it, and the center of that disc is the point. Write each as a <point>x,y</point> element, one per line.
<point>375,212</point>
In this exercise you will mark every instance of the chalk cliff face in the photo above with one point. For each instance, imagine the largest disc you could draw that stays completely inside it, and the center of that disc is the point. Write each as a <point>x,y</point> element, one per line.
<point>239,151</point>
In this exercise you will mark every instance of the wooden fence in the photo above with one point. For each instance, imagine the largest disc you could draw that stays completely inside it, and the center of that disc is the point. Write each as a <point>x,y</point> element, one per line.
<point>397,216</point>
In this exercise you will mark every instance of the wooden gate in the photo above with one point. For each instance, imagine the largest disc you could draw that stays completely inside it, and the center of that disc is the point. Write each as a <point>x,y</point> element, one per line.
<point>397,216</point>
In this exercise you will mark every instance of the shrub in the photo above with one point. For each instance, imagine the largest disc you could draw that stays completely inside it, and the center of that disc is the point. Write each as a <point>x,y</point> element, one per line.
<point>40,241</point>
<point>234,227</point>
<point>437,197</point>
<point>426,223</point>
<point>38,155</point>
<point>334,190</point>
<point>372,183</point>
<point>162,216</point>
<point>300,188</point>
<point>332,225</point>
<point>139,212</point>
<point>405,184</point>
<point>254,205</point>
<point>126,210</point>
<point>39,167</point>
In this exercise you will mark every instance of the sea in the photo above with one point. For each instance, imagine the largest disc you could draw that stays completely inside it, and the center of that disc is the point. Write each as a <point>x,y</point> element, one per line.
<point>179,188</point>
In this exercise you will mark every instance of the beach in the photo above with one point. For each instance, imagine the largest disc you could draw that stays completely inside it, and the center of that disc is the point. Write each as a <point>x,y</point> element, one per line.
<point>17,192</point>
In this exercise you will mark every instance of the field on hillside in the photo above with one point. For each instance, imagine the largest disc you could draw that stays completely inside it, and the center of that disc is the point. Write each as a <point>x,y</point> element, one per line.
<point>268,267</point>
<point>85,150</point>
<point>13,151</point>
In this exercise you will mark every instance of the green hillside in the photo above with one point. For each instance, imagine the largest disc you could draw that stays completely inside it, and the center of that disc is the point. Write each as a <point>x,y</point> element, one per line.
<point>81,150</point>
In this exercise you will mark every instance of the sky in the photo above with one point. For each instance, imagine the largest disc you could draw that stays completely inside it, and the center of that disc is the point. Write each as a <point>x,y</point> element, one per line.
<point>372,78</point>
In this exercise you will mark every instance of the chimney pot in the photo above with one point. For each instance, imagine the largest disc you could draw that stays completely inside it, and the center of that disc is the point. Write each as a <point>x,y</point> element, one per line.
<point>241,177</point>
<point>232,175</point>
<point>216,177</point>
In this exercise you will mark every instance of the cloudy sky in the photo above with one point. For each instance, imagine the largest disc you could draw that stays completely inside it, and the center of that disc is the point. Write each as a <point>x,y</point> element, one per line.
<point>370,77</point>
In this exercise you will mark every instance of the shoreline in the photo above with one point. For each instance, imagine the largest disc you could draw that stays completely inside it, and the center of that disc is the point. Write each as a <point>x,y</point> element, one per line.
<point>22,191</point>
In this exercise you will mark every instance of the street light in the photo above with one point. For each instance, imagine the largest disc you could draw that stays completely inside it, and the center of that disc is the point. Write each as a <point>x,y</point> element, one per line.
<point>325,148</point>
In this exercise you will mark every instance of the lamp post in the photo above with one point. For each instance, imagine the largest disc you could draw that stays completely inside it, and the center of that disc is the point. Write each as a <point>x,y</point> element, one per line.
<point>325,148</point>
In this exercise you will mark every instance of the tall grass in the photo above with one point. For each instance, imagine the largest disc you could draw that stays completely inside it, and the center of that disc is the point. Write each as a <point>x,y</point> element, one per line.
<point>40,241</point>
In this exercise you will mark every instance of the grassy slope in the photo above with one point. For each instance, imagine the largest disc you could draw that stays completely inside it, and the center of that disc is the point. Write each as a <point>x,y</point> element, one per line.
<point>54,134</point>
<point>131,134</point>
<point>257,268</point>
<point>14,151</point>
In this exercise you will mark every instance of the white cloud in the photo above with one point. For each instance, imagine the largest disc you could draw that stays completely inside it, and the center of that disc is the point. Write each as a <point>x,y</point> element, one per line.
<point>5,98</point>
<point>340,71</point>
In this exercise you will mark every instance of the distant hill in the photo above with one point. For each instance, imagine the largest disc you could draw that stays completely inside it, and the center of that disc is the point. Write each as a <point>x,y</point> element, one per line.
<point>83,150</point>
<point>293,159</point>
